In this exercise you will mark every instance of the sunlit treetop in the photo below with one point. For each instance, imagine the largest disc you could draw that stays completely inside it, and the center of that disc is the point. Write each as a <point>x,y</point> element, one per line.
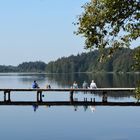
<point>109,23</point>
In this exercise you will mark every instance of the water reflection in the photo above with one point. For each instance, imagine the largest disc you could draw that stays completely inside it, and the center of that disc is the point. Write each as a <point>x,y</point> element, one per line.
<point>66,80</point>
<point>102,79</point>
<point>67,119</point>
<point>35,107</point>
<point>75,104</point>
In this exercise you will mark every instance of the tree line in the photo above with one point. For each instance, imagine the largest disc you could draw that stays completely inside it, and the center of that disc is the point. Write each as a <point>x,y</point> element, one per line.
<point>122,61</point>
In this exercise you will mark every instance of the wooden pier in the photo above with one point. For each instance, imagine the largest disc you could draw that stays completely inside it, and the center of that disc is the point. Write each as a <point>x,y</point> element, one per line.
<point>8,91</point>
<point>67,89</point>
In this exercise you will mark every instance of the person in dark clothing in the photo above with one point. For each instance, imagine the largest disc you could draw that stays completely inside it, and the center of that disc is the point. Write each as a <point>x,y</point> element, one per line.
<point>35,85</point>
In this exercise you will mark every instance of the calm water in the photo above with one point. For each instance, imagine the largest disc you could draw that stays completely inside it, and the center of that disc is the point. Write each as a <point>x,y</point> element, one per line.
<point>69,122</point>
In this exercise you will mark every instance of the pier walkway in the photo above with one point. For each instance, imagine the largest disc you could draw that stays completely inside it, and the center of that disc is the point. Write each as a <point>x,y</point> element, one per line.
<point>8,91</point>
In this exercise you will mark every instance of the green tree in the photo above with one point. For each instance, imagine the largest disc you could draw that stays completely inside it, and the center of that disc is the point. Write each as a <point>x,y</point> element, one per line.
<point>137,58</point>
<point>109,23</point>
<point>37,66</point>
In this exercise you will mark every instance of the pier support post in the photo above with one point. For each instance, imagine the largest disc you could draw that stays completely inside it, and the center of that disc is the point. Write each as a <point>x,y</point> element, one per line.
<point>9,98</point>
<point>71,96</point>
<point>92,99</point>
<point>104,98</point>
<point>85,99</point>
<point>39,96</point>
<point>4,96</point>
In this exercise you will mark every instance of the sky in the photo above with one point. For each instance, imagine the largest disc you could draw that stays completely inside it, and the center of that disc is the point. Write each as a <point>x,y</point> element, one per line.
<point>38,30</point>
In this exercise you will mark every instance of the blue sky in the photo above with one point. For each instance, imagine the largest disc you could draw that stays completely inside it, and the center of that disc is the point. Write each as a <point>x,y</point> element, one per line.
<point>32,30</point>
<point>39,30</point>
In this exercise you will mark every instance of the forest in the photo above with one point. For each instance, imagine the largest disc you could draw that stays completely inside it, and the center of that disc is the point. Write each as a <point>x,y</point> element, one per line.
<point>121,61</point>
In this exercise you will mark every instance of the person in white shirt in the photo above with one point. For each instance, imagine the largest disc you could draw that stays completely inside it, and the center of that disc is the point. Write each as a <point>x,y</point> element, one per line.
<point>93,85</point>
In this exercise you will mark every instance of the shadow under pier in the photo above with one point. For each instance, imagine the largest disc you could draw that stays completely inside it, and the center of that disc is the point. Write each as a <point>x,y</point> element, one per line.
<point>68,103</point>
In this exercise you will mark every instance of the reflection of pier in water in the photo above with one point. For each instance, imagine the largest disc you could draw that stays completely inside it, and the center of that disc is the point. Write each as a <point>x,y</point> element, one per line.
<point>72,101</point>
<point>92,103</point>
<point>69,103</point>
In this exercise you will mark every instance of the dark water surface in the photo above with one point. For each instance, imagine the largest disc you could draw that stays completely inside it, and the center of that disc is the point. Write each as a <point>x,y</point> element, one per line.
<point>69,122</point>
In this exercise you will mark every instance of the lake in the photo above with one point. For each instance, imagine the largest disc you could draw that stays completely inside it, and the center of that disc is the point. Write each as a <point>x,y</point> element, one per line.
<point>69,122</point>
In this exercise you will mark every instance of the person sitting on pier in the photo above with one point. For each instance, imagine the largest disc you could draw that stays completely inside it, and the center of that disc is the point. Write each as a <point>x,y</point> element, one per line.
<point>48,86</point>
<point>85,84</point>
<point>35,85</point>
<point>93,85</point>
<point>75,85</point>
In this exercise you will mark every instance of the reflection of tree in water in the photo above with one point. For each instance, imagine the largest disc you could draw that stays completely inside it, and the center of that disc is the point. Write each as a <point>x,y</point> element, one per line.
<point>66,80</point>
<point>101,79</point>
<point>27,79</point>
<point>137,92</point>
<point>31,77</point>
<point>126,80</point>
<point>116,95</point>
